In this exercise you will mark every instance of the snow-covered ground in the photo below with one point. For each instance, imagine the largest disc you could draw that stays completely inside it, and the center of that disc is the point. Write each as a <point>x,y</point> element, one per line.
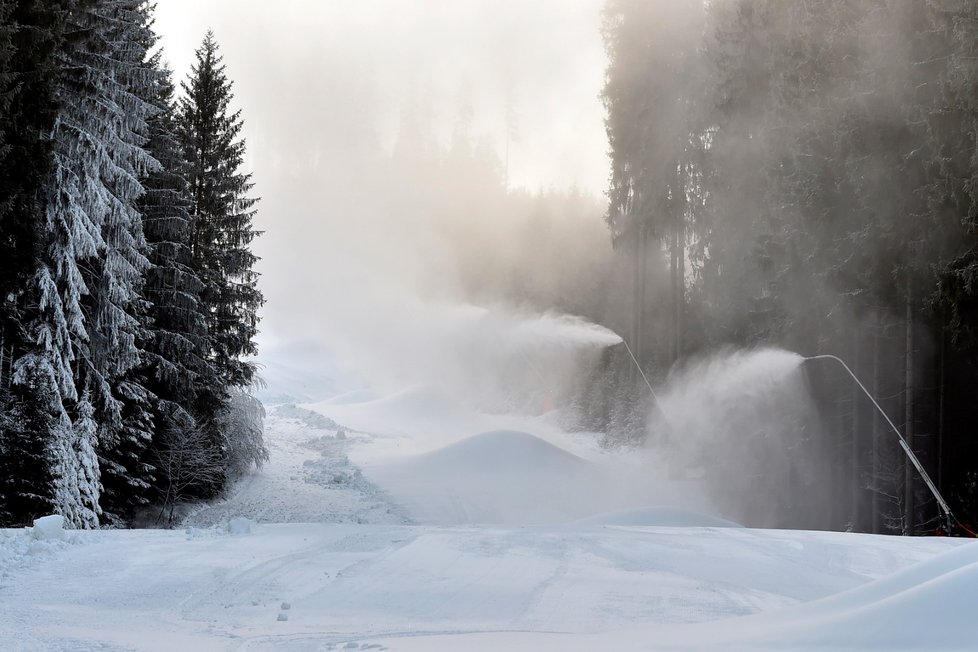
<point>425,526</point>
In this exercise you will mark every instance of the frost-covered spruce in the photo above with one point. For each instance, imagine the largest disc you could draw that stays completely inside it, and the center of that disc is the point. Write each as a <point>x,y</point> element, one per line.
<point>32,405</point>
<point>89,283</point>
<point>179,329</point>
<point>184,390</point>
<point>128,473</point>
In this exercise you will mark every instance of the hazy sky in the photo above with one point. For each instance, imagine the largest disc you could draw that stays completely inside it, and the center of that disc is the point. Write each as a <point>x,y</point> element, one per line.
<point>548,52</point>
<point>322,85</point>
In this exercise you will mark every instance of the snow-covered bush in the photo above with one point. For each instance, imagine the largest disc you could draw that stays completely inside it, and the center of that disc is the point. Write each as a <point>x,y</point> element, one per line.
<point>243,426</point>
<point>188,461</point>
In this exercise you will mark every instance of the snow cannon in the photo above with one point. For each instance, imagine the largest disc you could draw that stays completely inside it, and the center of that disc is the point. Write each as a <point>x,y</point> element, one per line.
<point>948,520</point>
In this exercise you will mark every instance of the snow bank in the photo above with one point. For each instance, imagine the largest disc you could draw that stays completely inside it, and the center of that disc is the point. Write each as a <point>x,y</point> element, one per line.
<point>49,528</point>
<point>22,548</point>
<point>657,517</point>
<point>939,613</point>
<point>925,607</point>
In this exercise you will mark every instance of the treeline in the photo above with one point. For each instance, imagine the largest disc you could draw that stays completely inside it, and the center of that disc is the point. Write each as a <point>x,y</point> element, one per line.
<point>128,294</point>
<point>803,174</point>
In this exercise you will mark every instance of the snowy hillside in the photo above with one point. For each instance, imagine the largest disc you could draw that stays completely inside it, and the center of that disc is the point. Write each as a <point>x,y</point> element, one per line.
<point>363,535</point>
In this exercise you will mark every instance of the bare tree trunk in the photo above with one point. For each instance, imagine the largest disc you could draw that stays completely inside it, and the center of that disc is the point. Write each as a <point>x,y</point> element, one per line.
<point>674,297</point>
<point>643,274</point>
<point>856,483</point>
<point>875,472</point>
<point>942,370</point>
<point>636,343</point>
<point>908,427</point>
<point>678,288</point>
<point>839,513</point>
<point>679,261</point>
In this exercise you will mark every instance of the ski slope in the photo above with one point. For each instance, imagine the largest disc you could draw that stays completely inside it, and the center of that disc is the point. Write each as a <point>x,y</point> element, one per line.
<point>338,554</point>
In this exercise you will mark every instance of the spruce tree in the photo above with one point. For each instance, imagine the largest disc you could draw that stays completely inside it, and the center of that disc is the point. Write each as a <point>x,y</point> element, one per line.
<point>187,392</point>
<point>126,428</point>
<point>30,407</point>
<point>88,322</point>
<point>30,31</point>
<point>8,241</point>
<point>179,344</point>
<point>222,214</point>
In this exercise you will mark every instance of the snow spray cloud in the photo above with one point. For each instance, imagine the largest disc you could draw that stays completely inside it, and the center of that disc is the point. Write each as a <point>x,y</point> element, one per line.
<point>744,422</point>
<point>496,357</point>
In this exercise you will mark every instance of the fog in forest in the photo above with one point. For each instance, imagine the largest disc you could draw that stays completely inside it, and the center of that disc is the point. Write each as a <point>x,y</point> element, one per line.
<point>482,197</point>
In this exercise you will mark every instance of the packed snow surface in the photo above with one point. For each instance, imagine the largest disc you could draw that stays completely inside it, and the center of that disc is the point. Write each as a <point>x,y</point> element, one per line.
<point>657,516</point>
<point>328,549</point>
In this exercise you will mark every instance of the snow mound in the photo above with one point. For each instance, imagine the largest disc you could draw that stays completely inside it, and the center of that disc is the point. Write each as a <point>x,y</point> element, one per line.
<point>501,476</point>
<point>938,613</point>
<point>49,528</point>
<point>657,517</point>
<point>499,451</point>
<point>240,525</point>
<point>927,606</point>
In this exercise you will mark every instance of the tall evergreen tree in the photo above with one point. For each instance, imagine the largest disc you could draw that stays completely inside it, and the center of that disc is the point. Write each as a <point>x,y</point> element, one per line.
<point>188,393</point>
<point>31,407</point>
<point>30,32</point>
<point>222,214</point>
<point>126,435</point>
<point>653,94</point>
<point>88,318</point>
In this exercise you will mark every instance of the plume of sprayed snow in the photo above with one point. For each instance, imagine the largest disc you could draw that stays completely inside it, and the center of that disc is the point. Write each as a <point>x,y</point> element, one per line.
<point>745,422</point>
<point>564,330</point>
<point>496,357</point>
<point>505,359</point>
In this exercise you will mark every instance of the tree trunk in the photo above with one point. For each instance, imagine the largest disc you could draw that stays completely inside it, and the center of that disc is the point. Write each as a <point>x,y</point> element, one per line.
<point>679,289</point>
<point>875,472</point>
<point>940,408</point>
<point>636,342</point>
<point>643,275</point>
<point>908,427</point>
<point>856,483</point>
<point>674,297</point>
